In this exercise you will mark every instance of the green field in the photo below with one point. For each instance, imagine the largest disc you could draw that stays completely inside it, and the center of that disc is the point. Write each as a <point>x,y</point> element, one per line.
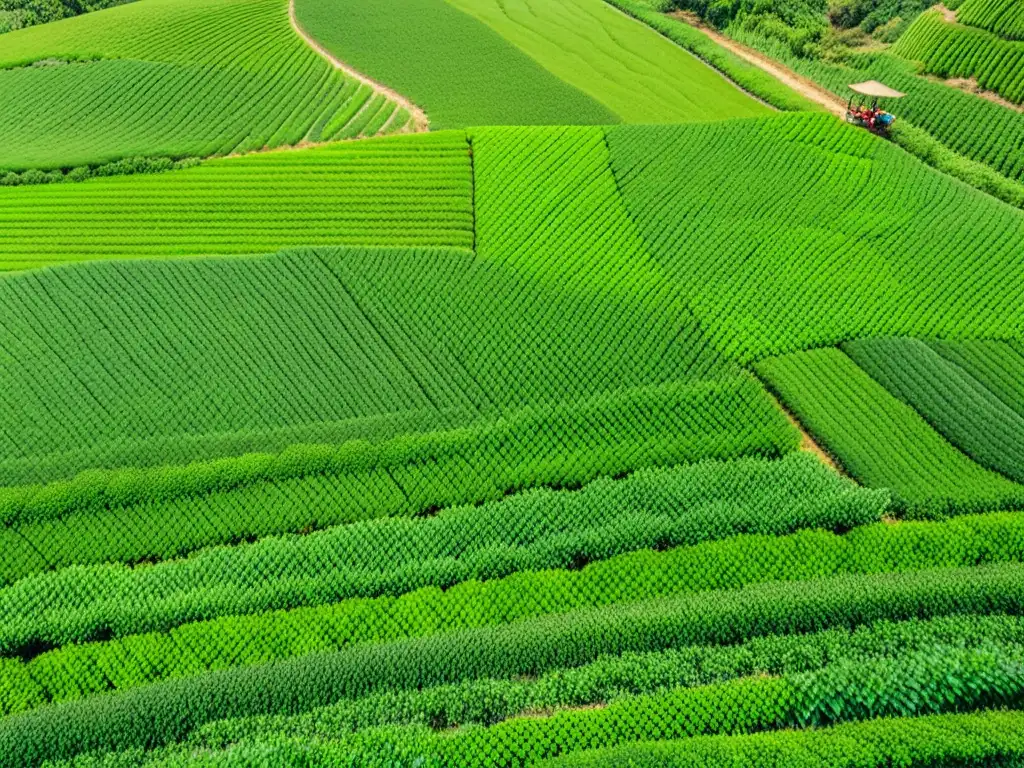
<point>457,69</point>
<point>173,78</point>
<point>401,191</point>
<point>641,77</point>
<point>628,410</point>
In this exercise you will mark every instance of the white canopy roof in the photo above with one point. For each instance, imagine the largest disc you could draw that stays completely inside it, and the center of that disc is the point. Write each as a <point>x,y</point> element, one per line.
<point>876,89</point>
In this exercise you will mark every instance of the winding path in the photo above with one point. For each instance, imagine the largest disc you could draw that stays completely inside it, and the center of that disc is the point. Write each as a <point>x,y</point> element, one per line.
<point>420,122</point>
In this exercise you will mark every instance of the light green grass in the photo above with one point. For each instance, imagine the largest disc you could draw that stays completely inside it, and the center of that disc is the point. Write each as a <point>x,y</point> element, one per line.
<point>618,61</point>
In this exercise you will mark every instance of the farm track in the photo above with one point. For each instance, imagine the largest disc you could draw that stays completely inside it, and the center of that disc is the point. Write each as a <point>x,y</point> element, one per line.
<point>420,122</point>
<point>802,85</point>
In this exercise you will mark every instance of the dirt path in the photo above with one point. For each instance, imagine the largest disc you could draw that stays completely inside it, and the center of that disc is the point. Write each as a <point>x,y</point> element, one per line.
<point>806,441</point>
<point>947,14</point>
<point>419,118</point>
<point>783,74</point>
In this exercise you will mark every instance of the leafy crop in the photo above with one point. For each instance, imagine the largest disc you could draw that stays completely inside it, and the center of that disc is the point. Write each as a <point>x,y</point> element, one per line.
<point>843,264</point>
<point>400,191</point>
<point>1003,17</point>
<point>996,364</point>
<point>174,78</point>
<point>636,74</point>
<point>880,440</point>
<point>155,715</point>
<point>75,671</point>
<point>537,530</point>
<point>959,407</point>
<point>990,738</point>
<point>952,50</point>
<point>167,511</point>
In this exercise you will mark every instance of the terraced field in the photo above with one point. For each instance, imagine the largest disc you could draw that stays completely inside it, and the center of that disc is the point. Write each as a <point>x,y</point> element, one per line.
<point>173,78</point>
<point>542,440</point>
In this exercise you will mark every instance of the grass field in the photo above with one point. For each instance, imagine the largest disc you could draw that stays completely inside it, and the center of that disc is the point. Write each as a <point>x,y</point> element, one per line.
<point>637,74</point>
<point>542,441</point>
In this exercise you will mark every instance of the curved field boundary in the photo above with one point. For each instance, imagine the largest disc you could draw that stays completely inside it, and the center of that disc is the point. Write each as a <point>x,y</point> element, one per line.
<point>419,120</point>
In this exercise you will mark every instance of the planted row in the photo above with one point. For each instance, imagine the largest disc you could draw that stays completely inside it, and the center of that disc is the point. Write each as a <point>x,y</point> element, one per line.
<point>957,405</point>
<point>536,530</point>
<point>609,678</point>
<point>985,738</point>
<point>129,515</point>
<point>156,715</point>
<point>881,441</point>
<point>76,671</point>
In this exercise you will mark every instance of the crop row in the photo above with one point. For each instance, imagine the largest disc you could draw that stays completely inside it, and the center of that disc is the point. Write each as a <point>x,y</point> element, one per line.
<point>393,192</point>
<point>75,671</point>
<point>976,128</point>
<point>155,715</point>
<point>716,248</point>
<point>182,79</point>
<point>958,406</point>
<point>366,343</point>
<point>162,512</point>
<point>990,738</point>
<point>1003,17</point>
<point>941,679</point>
<point>951,50</point>
<point>880,440</point>
<point>998,365</point>
<point>490,700</point>
<point>536,530</point>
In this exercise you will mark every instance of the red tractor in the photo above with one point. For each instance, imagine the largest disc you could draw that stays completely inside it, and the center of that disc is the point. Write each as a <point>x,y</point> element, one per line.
<point>873,118</point>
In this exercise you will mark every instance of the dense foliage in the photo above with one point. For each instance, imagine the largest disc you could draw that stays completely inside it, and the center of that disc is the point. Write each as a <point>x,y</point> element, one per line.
<point>961,408</point>
<point>638,75</point>
<point>1003,17</point>
<point>538,530</point>
<point>15,14</point>
<point>154,715</point>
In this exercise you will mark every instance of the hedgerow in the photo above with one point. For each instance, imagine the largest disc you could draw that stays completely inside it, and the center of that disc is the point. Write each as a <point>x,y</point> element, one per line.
<point>958,406</point>
<point>176,78</point>
<point>952,50</point>
<point>537,530</point>
<point>991,738</point>
<point>880,440</point>
<point>191,649</point>
<point>163,512</point>
<point>127,167</point>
